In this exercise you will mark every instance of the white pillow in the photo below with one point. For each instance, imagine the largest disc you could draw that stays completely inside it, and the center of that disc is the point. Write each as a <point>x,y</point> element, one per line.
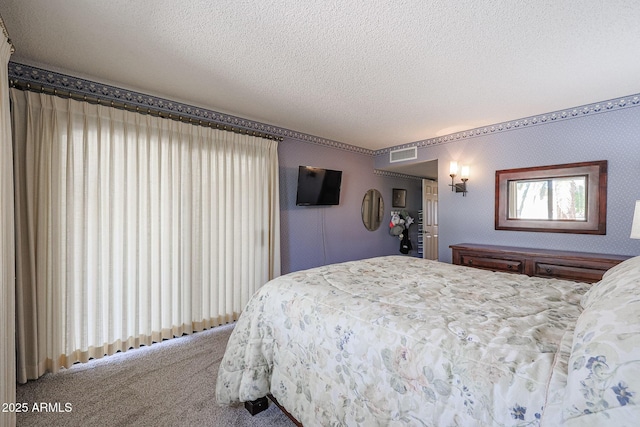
<point>626,270</point>
<point>603,383</point>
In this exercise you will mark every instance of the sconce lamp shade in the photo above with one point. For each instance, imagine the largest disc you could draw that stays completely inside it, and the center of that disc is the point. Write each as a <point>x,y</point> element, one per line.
<point>453,168</point>
<point>635,226</point>
<point>464,172</point>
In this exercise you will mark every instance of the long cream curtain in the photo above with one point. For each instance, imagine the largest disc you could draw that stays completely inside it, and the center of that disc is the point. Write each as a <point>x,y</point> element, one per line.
<point>7,244</point>
<point>133,228</point>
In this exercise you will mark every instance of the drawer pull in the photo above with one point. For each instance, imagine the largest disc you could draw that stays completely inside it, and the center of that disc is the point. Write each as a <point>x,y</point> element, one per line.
<point>509,266</point>
<point>470,262</point>
<point>548,270</point>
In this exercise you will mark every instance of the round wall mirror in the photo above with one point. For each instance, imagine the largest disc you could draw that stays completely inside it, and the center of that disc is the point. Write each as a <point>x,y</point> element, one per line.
<point>372,209</point>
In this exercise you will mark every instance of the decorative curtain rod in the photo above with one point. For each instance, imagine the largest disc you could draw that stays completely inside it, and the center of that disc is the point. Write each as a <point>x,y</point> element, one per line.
<point>35,87</point>
<point>106,93</point>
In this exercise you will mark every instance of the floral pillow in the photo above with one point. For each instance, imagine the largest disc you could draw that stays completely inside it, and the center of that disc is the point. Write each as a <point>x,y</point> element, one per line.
<point>603,383</point>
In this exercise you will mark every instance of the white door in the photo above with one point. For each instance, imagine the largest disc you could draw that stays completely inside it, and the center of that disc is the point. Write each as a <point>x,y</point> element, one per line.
<point>430,219</point>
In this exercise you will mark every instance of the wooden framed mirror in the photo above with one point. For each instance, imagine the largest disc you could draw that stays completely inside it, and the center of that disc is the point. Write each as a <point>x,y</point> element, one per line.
<point>566,198</point>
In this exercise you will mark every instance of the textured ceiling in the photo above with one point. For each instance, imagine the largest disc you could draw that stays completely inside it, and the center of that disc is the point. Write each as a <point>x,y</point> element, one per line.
<point>370,73</point>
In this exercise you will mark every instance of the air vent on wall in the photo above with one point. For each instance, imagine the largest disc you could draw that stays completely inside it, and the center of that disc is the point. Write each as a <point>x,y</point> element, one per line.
<point>403,154</point>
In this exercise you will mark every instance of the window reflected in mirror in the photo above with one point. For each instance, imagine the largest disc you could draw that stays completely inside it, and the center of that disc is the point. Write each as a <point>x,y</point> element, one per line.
<point>558,198</point>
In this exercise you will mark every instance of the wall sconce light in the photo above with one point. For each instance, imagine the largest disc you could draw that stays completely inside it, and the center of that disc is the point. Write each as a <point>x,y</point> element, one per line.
<point>460,187</point>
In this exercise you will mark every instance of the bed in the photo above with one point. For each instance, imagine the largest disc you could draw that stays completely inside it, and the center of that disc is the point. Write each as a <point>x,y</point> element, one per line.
<point>398,340</point>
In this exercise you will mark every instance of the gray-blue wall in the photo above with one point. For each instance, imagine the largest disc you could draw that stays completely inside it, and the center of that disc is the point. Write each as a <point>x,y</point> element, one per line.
<point>313,236</point>
<point>606,135</point>
<point>317,235</point>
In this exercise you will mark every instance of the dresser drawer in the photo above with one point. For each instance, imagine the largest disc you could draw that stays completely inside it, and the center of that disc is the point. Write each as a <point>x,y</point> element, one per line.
<point>582,274</point>
<point>578,266</point>
<point>495,264</point>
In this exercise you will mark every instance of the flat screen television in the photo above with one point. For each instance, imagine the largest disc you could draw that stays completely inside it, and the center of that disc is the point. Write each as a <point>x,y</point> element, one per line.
<point>317,186</point>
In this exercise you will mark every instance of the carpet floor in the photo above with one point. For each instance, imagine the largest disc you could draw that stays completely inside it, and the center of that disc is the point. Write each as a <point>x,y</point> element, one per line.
<point>171,383</point>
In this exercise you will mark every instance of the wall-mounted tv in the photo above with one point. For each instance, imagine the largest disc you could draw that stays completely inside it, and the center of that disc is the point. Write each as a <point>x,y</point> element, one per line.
<point>317,186</point>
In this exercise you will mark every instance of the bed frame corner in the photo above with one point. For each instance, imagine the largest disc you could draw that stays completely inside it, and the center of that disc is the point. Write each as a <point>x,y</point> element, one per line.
<point>256,406</point>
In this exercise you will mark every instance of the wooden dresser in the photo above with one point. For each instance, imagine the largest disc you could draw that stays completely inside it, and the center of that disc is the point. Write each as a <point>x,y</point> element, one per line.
<point>578,266</point>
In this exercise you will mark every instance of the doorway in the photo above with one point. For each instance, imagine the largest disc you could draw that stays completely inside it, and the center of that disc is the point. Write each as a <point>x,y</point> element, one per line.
<point>429,217</point>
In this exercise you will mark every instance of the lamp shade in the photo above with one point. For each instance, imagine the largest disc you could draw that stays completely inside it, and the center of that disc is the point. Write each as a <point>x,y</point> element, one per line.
<point>635,226</point>
<point>464,172</point>
<point>453,168</point>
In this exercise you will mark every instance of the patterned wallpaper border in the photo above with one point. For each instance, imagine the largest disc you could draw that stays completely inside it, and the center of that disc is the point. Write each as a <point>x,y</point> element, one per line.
<point>38,77</point>
<point>570,113</point>
<point>56,81</point>
<point>382,172</point>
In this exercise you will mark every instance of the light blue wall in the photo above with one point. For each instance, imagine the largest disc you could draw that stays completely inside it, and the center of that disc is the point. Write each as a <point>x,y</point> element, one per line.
<point>606,135</point>
<point>317,235</point>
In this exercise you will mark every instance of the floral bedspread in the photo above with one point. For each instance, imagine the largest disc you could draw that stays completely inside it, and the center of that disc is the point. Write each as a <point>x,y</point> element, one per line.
<point>404,341</point>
